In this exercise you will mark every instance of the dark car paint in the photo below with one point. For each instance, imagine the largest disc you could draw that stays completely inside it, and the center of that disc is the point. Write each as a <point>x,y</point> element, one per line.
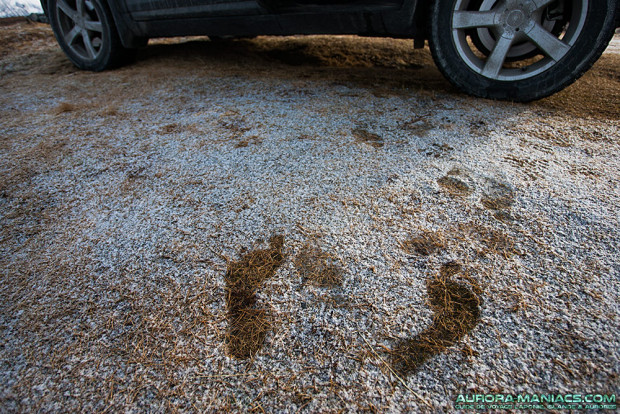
<point>137,20</point>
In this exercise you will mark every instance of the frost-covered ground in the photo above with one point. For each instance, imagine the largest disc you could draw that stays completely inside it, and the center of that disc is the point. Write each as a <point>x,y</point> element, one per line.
<point>138,206</point>
<point>9,8</point>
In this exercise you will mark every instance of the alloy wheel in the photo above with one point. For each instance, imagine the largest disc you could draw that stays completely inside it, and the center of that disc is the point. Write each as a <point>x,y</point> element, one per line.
<point>518,35</point>
<point>81,27</point>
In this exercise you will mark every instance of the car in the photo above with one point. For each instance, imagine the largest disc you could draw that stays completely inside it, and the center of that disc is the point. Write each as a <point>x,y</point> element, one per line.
<point>517,50</point>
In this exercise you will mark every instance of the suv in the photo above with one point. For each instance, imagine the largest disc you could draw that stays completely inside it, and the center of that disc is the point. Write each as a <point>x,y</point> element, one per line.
<point>518,50</point>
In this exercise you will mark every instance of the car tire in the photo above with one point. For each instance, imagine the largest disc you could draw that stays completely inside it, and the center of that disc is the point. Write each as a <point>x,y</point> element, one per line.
<point>86,33</point>
<point>561,56</point>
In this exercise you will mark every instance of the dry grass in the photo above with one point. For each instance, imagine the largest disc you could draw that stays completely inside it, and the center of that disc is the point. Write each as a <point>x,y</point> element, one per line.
<point>497,196</point>
<point>487,240</point>
<point>453,184</point>
<point>109,309</point>
<point>456,312</point>
<point>249,324</point>
<point>18,34</point>
<point>64,107</point>
<point>365,137</point>
<point>246,142</point>
<point>419,126</point>
<point>170,129</point>
<point>318,268</point>
<point>595,95</point>
<point>425,244</point>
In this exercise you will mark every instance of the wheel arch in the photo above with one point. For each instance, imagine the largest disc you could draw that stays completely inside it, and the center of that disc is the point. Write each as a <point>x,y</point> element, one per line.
<point>130,32</point>
<point>421,18</point>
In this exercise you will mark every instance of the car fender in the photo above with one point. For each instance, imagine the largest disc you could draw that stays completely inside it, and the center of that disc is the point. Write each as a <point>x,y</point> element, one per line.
<point>131,32</point>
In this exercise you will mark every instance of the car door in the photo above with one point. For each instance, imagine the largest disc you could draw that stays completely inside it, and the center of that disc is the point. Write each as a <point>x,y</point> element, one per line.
<point>175,9</point>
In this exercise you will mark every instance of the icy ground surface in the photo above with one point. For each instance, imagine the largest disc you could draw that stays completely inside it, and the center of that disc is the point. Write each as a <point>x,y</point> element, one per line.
<point>127,196</point>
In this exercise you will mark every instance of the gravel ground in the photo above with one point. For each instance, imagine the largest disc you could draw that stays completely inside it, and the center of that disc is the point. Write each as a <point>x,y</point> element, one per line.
<point>133,202</point>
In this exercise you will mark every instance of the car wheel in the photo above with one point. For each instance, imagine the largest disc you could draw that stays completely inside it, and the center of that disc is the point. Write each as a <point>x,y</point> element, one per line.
<point>85,31</point>
<point>518,50</point>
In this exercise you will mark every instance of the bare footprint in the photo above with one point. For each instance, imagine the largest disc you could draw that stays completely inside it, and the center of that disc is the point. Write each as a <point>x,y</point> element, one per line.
<point>318,267</point>
<point>424,244</point>
<point>498,197</point>
<point>363,136</point>
<point>456,182</point>
<point>456,312</point>
<point>248,323</point>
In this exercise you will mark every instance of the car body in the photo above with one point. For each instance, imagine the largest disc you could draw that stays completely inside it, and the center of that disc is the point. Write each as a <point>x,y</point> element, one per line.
<point>139,19</point>
<point>474,42</point>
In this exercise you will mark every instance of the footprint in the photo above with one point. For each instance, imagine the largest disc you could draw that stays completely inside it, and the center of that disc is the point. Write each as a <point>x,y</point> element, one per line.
<point>425,244</point>
<point>318,268</point>
<point>497,196</point>
<point>456,182</point>
<point>361,135</point>
<point>456,307</point>
<point>456,312</point>
<point>437,150</point>
<point>418,126</point>
<point>248,324</point>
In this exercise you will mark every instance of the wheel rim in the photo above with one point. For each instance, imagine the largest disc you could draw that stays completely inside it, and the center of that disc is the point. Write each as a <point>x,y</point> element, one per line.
<point>81,28</point>
<point>514,31</point>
